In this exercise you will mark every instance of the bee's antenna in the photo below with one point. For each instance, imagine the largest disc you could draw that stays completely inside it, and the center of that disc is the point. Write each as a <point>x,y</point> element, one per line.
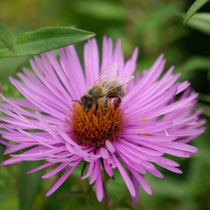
<point>77,101</point>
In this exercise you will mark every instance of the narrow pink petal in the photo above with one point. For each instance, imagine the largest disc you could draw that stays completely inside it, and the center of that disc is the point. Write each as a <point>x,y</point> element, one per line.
<point>75,64</point>
<point>95,172</point>
<point>46,126</point>
<point>118,57</point>
<point>149,128</point>
<point>51,81</point>
<point>146,79</point>
<point>152,138</point>
<point>174,106</point>
<point>70,75</point>
<point>55,170</point>
<point>36,138</point>
<point>142,181</point>
<point>63,86</point>
<point>5,143</point>
<point>16,148</point>
<point>40,168</point>
<point>11,161</point>
<point>107,168</point>
<point>137,187</point>
<point>90,171</point>
<point>91,61</point>
<point>181,146</point>
<point>156,173</point>
<point>125,177</point>
<point>130,65</point>
<point>128,154</point>
<point>103,152</point>
<point>170,168</point>
<point>166,161</point>
<point>164,149</point>
<point>185,132</point>
<point>109,146</point>
<point>139,167</point>
<point>61,180</point>
<point>107,52</point>
<point>99,185</point>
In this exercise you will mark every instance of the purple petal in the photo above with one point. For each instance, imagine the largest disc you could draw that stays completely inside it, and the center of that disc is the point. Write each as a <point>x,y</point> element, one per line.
<point>91,61</point>
<point>61,180</point>
<point>137,187</point>
<point>125,177</point>
<point>55,170</point>
<point>99,185</point>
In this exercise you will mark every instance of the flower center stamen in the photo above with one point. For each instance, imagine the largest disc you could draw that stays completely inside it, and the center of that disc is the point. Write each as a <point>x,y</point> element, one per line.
<point>93,129</point>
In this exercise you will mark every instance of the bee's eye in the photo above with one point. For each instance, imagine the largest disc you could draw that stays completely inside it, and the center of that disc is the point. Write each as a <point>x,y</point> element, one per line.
<point>91,91</point>
<point>94,92</point>
<point>119,89</point>
<point>89,104</point>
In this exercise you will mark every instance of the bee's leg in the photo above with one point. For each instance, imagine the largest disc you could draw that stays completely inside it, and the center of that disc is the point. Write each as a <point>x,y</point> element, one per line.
<point>118,102</point>
<point>105,107</point>
<point>96,109</point>
<point>84,111</point>
<point>83,114</point>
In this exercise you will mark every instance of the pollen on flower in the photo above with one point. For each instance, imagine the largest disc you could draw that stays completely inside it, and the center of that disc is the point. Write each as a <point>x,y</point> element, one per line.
<point>94,128</point>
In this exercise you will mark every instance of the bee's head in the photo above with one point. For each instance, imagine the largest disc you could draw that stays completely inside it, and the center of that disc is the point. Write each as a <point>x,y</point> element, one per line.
<point>87,104</point>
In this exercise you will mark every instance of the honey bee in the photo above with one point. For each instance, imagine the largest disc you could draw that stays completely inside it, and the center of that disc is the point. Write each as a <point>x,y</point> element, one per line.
<point>107,86</point>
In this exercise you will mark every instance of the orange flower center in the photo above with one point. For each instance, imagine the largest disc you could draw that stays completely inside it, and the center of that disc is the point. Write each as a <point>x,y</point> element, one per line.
<point>93,128</point>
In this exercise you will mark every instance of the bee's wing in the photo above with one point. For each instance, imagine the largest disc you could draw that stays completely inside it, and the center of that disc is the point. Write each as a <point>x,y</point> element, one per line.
<point>124,80</point>
<point>109,73</point>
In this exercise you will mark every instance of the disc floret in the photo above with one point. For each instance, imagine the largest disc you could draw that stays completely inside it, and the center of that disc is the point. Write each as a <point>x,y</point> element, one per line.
<point>94,128</point>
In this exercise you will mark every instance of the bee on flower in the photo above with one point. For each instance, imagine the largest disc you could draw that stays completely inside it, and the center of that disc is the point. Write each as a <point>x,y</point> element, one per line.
<point>101,116</point>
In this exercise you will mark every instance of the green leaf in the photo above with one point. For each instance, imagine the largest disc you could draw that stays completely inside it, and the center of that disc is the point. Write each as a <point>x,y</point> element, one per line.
<point>29,185</point>
<point>45,39</point>
<point>9,65</point>
<point>7,38</point>
<point>201,22</point>
<point>193,9</point>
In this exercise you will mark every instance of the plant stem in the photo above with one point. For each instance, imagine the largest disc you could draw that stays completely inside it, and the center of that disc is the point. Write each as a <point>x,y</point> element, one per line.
<point>106,196</point>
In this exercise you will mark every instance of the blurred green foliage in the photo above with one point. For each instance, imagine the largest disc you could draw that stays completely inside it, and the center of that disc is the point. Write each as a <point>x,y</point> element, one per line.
<point>155,26</point>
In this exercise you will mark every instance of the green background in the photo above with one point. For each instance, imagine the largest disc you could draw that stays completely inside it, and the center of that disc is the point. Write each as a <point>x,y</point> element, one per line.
<point>155,26</point>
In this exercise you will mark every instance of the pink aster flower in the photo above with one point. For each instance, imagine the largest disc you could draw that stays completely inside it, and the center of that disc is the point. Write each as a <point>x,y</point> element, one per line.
<point>156,116</point>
